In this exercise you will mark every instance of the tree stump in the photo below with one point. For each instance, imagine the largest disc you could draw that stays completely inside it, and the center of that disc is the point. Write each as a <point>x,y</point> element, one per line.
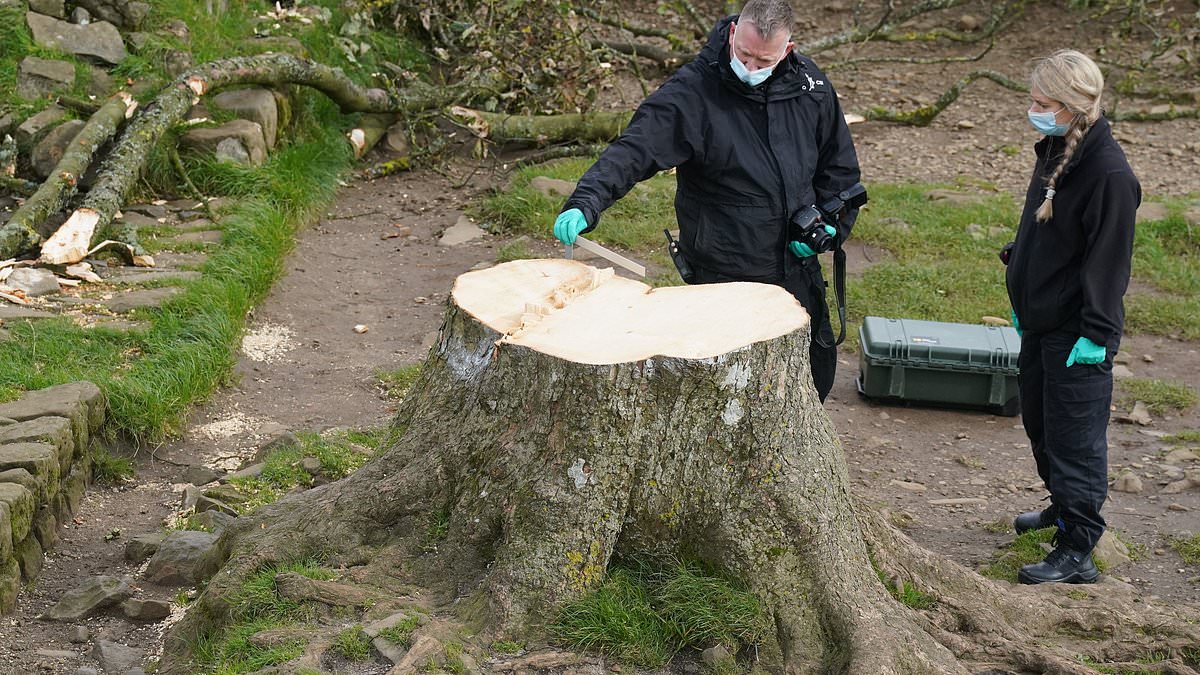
<point>566,415</point>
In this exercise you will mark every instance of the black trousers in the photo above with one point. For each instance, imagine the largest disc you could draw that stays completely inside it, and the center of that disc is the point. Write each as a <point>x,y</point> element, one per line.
<point>803,279</point>
<point>1065,412</point>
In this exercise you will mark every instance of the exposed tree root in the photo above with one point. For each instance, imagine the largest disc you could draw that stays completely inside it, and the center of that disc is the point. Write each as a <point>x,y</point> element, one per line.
<point>924,115</point>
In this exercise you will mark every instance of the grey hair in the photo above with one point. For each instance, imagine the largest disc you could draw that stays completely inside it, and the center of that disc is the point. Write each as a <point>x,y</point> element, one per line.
<point>769,17</point>
<point>1071,78</point>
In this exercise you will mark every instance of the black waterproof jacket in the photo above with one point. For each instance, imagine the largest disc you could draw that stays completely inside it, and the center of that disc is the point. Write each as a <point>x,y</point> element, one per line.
<point>1071,272</point>
<point>747,158</point>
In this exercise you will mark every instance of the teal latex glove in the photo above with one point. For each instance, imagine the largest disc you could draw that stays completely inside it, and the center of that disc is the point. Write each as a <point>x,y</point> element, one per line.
<point>803,250</point>
<point>568,226</point>
<point>1087,352</point>
<point>1016,324</point>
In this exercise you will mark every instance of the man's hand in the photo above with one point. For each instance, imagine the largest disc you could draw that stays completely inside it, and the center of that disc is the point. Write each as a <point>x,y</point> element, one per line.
<point>1086,352</point>
<point>803,250</point>
<point>568,226</point>
<point>1016,324</point>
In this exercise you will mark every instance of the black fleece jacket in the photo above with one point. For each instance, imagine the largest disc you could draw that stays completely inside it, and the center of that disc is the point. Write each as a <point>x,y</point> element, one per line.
<point>1071,272</point>
<point>747,158</point>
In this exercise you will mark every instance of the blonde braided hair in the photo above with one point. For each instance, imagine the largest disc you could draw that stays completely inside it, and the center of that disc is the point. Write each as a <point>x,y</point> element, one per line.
<point>1075,81</point>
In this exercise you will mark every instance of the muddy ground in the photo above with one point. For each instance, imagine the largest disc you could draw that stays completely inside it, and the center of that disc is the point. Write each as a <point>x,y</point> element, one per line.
<point>306,369</point>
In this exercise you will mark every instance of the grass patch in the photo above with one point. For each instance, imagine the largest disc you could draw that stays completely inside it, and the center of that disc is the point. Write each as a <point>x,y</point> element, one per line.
<point>1025,550</point>
<point>454,658</point>
<point>517,249</point>
<point>1000,526</point>
<point>401,633</point>
<point>644,614</point>
<point>339,455</point>
<point>1189,436</point>
<point>109,469</point>
<point>1160,396</point>
<point>398,382</point>
<point>1188,548</point>
<point>507,647</point>
<point>256,607</point>
<point>353,644</point>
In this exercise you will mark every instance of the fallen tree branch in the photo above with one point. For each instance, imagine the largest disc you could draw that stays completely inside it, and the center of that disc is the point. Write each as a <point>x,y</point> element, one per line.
<point>662,57</point>
<point>20,233</point>
<point>883,26</point>
<point>925,114</point>
<point>544,129</point>
<point>124,164</point>
<point>636,29</point>
<point>559,153</point>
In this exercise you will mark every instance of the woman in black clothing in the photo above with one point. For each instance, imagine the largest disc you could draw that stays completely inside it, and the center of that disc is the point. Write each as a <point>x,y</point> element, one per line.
<point>1067,274</point>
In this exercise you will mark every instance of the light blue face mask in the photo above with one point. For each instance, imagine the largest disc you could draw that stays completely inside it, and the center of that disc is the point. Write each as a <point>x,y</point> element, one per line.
<point>754,78</point>
<point>1045,123</point>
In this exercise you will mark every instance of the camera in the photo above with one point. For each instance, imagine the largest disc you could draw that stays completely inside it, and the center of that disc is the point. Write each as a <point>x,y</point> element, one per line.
<point>807,226</point>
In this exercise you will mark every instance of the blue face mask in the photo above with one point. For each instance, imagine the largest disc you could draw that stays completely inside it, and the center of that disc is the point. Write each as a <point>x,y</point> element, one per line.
<point>1046,124</point>
<point>751,78</point>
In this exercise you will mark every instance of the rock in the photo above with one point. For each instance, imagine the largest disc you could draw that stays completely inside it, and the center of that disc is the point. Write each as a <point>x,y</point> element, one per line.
<point>311,465</point>
<point>715,657</point>
<point>79,635</point>
<point>1191,480</point>
<point>969,23</point>
<point>965,124</point>
<point>143,546</point>
<point>1123,357</point>
<point>94,595</point>
<point>249,133</point>
<point>205,504</point>
<point>232,150</point>
<point>252,471</point>
<point>33,281</point>
<point>907,485</point>
<point>81,16</point>
<point>50,150</point>
<point>152,211</point>
<point>100,41</point>
<point>1140,414</point>
<point>54,8</point>
<point>140,299</point>
<point>1121,372</point>
<point>146,610</point>
<point>396,139</point>
<point>256,105</point>
<point>38,77</point>
<point>35,128</point>
<point>213,520</point>
<point>198,474</point>
<point>460,233</point>
<point>1112,551</point>
<point>1148,358</point>
<point>1151,211</point>
<point>115,657</point>
<point>183,559</point>
<point>1128,482</point>
<point>226,493</point>
<point>552,187</point>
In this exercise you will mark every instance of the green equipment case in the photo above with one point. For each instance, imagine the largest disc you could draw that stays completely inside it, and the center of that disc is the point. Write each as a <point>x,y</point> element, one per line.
<point>938,363</point>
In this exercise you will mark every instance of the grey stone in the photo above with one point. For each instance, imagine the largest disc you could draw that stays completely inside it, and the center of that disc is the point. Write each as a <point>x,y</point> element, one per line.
<point>38,77</point>
<point>139,41</point>
<point>138,220</point>
<point>226,493</point>
<point>232,150</point>
<point>79,635</point>
<point>6,539</point>
<point>100,40</point>
<point>55,431</point>
<point>10,583</point>
<point>552,187</point>
<point>19,504</point>
<point>34,281</point>
<point>191,495</point>
<point>81,402</point>
<point>201,237</point>
<point>45,528</point>
<point>81,16</point>
<point>204,504</point>
<point>213,521</point>
<point>198,474</point>
<point>139,275</point>
<point>1128,482</point>
<point>311,465</point>
<point>56,653</point>
<point>1121,372</point>
<point>256,105</point>
<point>115,657</point>
<point>249,133</point>
<point>252,471</point>
<point>21,477</point>
<point>153,211</point>
<point>130,16</point>
<point>146,610</point>
<point>50,150</point>
<point>38,461</point>
<point>92,596</point>
<point>142,546</point>
<point>100,83</point>
<point>55,8</point>
<point>86,670</point>
<point>10,312</point>
<point>460,233</point>
<point>1176,456</point>
<point>35,128</point>
<point>183,559</point>
<point>1112,551</point>
<point>148,298</point>
<point>28,553</point>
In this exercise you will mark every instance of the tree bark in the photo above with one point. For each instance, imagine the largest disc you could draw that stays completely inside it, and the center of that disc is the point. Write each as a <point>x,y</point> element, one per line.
<point>565,415</point>
<point>544,129</point>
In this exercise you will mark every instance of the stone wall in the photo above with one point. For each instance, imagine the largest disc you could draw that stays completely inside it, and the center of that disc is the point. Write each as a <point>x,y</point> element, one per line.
<point>46,440</point>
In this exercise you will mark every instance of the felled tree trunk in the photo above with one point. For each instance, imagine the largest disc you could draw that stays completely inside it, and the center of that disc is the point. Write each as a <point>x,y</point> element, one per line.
<point>565,415</point>
<point>542,129</point>
<point>125,163</point>
<point>20,233</point>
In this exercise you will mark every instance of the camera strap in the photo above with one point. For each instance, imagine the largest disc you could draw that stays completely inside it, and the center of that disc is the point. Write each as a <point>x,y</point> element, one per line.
<point>839,289</point>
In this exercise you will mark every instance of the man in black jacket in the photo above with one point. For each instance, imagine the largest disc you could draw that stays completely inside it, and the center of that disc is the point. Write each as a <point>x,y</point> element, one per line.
<point>757,135</point>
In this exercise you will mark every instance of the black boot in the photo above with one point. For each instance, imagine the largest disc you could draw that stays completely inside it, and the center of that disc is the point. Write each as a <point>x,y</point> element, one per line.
<point>1034,520</point>
<point>1063,565</point>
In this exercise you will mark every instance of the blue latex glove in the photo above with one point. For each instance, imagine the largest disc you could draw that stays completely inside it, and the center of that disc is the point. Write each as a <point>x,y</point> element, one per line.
<point>568,225</point>
<point>1087,352</point>
<point>803,250</point>
<point>1016,324</point>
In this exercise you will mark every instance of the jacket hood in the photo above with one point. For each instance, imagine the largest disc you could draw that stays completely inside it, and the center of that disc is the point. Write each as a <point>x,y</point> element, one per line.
<point>786,81</point>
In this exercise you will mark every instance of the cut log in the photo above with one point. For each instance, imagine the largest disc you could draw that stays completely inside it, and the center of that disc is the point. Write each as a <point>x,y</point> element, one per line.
<point>20,233</point>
